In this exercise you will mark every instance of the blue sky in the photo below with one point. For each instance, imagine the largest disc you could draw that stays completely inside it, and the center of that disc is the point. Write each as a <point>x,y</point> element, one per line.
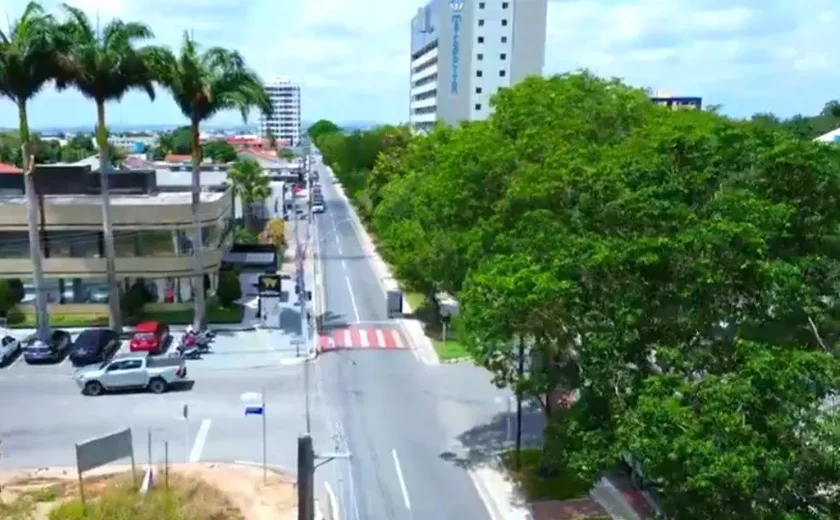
<point>351,56</point>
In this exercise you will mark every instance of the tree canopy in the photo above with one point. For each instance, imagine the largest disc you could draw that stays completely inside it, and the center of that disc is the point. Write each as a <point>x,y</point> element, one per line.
<point>321,128</point>
<point>675,271</point>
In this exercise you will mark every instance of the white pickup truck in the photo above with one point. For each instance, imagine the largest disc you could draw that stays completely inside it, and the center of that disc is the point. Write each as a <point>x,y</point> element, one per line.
<point>134,371</point>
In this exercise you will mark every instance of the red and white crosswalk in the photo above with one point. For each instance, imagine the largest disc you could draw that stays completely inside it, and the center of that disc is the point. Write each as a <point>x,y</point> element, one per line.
<point>361,337</point>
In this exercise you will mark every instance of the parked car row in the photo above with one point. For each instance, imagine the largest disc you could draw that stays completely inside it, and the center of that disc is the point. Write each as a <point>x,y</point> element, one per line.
<point>84,294</point>
<point>90,346</point>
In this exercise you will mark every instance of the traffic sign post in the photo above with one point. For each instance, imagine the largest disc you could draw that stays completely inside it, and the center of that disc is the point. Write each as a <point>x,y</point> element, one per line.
<point>255,405</point>
<point>186,416</point>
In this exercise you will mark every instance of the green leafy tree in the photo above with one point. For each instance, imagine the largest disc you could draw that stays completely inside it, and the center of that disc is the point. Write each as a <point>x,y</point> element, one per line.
<point>30,57</point>
<point>321,128</point>
<point>252,186</point>
<point>219,151</point>
<point>204,84</point>
<point>104,65</point>
<point>752,443</point>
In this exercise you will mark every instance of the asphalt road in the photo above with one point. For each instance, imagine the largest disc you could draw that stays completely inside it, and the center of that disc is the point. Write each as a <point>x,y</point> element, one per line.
<point>409,427</point>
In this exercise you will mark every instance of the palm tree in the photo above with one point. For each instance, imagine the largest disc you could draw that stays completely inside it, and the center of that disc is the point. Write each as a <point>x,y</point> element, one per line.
<point>251,184</point>
<point>30,53</point>
<point>204,84</point>
<point>104,65</point>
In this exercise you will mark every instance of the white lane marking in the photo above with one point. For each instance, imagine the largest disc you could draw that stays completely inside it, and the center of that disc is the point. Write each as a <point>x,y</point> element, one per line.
<point>18,360</point>
<point>348,339</point>
<point>401,479</point>
<point>380,339</point>
<point>363,338</point>
<point>352,297</point>
<point>200,440</point>
<point>343,264</point>
<point>327,412</point>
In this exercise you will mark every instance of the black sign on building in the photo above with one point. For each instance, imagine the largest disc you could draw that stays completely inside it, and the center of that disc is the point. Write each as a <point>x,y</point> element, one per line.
<point>270,285</point>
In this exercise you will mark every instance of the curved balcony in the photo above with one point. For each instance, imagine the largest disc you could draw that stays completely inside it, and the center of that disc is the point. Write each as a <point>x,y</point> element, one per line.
<point>167,209</point>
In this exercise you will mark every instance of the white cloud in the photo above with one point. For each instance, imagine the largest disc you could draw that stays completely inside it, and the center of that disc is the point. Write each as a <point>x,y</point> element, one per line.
<point>352,55</point>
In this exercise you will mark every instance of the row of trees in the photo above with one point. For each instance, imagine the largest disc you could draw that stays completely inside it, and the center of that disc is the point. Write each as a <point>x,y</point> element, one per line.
<point>802,126</point>
<point>675,272</point>
<point>46,151</point>
<point>104,64</point>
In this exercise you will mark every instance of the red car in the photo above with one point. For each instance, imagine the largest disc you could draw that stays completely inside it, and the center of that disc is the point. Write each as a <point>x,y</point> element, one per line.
<point>149,336</point>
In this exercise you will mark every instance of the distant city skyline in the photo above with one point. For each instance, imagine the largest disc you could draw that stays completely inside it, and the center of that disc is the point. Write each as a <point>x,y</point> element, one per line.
<point>350,57</point>
<point>253,129</point>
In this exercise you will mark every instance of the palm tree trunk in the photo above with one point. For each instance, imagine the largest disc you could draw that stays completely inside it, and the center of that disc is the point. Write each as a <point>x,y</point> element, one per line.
<point>114,318</point>
<point>35,249</point>
<point>199,314</point>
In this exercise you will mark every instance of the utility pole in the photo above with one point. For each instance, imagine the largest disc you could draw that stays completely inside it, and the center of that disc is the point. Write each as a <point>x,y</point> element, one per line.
<point>306,475</point>
<point>306,478</point>
<point>301,244</point>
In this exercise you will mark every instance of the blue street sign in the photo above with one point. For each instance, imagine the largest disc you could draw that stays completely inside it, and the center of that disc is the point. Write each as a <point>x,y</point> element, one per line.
<point>254,410</point>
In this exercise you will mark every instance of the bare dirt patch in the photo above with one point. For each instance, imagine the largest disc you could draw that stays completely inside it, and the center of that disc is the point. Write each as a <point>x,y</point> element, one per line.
<point>195,492</point>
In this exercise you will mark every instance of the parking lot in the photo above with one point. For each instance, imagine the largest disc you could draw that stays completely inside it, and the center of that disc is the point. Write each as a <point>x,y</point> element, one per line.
<point>230,350</point>
<point>43,413</point>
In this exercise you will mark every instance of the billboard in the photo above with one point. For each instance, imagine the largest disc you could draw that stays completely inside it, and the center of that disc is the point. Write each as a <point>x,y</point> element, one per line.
<point>424,28</point>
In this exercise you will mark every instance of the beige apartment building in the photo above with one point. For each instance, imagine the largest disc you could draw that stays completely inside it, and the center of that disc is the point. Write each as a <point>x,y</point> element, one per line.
<point>152,229</point>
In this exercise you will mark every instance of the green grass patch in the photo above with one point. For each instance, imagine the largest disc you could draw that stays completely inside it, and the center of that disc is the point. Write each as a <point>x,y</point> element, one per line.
<point>215,314</point>
<point>537,484</point>
<point>424,311</point>
<point>449,349</point>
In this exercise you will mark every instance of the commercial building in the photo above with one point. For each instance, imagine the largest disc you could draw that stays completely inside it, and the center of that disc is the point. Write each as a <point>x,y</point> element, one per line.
<point>152,231</point>
<point>464,51</point>
<point>678,102</point>
<point>284,123</point>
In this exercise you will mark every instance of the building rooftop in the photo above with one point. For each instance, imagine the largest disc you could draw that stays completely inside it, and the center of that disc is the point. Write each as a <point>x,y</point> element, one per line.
<point>119,199</point>
<point>178,158</point>
<point>8,168</point>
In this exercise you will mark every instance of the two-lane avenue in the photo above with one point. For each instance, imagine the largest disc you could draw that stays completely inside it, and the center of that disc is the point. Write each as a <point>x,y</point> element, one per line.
<point>382,400</point>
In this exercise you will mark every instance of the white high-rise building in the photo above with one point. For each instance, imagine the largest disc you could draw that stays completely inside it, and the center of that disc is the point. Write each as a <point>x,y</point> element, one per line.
<point>284,123</point>
<point>464,51</point>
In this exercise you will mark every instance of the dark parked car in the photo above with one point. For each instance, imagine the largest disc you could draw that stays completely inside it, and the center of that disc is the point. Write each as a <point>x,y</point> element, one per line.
<point>52,351</point>
<point>94,346</point>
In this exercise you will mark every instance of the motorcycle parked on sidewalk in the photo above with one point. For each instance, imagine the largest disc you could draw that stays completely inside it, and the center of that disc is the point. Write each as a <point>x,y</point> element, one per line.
<point>191,340</point>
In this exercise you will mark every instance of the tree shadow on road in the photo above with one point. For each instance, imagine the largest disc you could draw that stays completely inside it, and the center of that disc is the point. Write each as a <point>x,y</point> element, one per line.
<point>332,321</point>
<point>485,442</point>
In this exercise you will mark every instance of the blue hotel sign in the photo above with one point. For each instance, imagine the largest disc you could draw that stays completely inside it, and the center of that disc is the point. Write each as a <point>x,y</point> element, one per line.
<point>457,6</point>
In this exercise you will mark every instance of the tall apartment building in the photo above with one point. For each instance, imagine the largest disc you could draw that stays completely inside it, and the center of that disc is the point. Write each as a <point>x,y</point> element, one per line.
<point>284,124</point>
<point>464,51</point>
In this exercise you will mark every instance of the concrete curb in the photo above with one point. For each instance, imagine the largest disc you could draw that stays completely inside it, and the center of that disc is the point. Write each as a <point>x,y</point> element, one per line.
<point>299,360</point>
<point>452,361</point>
<point>422,344</point>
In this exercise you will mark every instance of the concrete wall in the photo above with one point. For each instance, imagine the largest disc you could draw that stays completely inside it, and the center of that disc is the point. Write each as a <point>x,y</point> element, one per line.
<point>130,213</point>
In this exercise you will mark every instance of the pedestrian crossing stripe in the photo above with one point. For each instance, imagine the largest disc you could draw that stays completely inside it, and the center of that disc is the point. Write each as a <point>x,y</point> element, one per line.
<point>362,338</point>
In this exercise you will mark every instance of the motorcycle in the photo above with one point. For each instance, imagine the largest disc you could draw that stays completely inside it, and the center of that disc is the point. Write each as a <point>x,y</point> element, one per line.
<point>204,336</point>
<point>189,352</point>
<point>191,339</point>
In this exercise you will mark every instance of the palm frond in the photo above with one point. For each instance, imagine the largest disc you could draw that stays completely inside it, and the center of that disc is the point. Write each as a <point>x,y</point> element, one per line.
<point>28,54</point>
<point>217,79</point>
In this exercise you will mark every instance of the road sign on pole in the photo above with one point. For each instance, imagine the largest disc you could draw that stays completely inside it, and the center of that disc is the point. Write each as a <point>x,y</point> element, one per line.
<point>255,405</point>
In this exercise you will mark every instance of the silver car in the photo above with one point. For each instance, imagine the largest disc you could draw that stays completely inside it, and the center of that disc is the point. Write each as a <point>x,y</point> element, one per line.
<point>9,348</point>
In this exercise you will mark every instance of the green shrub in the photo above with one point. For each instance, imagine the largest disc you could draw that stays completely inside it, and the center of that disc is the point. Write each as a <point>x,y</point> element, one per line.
<point>229,289</point>
<point>11,293</point>
<point>133,300</point>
